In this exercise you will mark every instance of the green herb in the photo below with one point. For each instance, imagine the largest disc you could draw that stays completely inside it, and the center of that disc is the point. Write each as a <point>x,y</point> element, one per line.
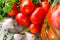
<point>24,30</point>
<point>1,17</point>
<point>5,7</point>
<point>36,1</point>
<point>59,1</point>
<point>16,1</point>
<point>50,1</point>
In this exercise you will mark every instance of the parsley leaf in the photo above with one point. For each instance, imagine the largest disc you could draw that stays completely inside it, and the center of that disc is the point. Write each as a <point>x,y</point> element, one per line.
<point>16,1</point>
<point>4,9</point>
<point>7,9</point>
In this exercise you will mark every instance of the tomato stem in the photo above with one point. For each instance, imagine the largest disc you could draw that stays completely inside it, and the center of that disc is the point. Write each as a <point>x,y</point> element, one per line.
<point>36,1</point>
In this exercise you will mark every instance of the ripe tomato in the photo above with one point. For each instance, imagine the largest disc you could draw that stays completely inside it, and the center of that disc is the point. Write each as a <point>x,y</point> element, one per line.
<point>22,19</point>
<point>34,28</point>
<point>54,17</point>
<point>14,10</point>
<point>26,6</point>
<point>46,5</point>
<point>38,15</point>
<point>42,0</point>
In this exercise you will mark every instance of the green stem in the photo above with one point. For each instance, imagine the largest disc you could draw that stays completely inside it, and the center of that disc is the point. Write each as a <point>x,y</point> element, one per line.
<point>36,1</point>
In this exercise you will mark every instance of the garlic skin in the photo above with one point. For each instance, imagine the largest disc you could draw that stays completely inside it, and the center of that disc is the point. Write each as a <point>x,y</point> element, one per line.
<point>8,24</point>
<point>29,36</point>
<point>18,37</point>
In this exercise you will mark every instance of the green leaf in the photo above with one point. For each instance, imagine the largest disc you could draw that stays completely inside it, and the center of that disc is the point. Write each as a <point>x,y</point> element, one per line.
<point>1,17</point>
<point>8,0</point>
<point>50,1</point>
<point>36,1</point>
<point>7,9</point>
<point>2,1</point>
<point>24,30</point>
<point>0,10</point>
<point>59,1</point>
<point>4,9</point>
<point>15,1</point>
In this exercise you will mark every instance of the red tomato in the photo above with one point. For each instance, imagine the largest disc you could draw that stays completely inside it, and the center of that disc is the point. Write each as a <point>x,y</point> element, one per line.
<point>38,15</point>
<point>14,10</point>
<point>22,19</point>
<point>42,0</point>
<point>34,28</point>
<point>54,17</point>
<point>46,5</point>
<point>26,6</point>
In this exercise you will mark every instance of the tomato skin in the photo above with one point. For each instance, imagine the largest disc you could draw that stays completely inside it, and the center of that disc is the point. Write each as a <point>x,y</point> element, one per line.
<point>46,5</point>
<point>53,17</point>
<point>38,16</point>
<point>27,7</point>
<point>22,19</point>
<point>34,28</point>
<point>14,10</point>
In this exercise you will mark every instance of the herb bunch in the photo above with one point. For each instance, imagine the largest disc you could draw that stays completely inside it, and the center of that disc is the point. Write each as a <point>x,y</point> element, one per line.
<point>5,7</point>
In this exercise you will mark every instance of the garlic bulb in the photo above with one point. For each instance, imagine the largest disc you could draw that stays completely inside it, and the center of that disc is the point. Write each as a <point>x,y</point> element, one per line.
<point>18,36</point>
<point>8,24</point>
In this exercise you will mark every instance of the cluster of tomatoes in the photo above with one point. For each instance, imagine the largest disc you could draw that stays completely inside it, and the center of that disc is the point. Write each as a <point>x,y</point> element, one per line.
<point>31,15</point>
